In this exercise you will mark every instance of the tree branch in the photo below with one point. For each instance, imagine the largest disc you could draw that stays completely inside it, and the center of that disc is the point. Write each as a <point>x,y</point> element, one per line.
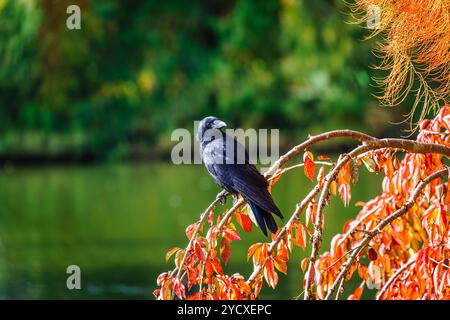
<point>373,144</point>
<point>280,162</point>
<point>372,233</point>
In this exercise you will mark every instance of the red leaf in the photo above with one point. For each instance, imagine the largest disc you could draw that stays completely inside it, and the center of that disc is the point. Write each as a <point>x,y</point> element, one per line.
<point>192,277</point>
<point>178,289</point>
<point>209,269</point>
<point>225,250</point>
<point>309,166</point>
<point>231,234</point>
<point>190,230</point>
<point>195,296</point>
<point>217,266</point>
<point>269,274</point>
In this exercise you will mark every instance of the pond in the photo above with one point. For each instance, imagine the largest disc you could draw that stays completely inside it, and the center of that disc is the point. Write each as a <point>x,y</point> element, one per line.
<point>116,223</point>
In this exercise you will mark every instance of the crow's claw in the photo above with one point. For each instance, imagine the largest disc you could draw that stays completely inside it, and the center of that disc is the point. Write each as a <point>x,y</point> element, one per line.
<point>222,198</point>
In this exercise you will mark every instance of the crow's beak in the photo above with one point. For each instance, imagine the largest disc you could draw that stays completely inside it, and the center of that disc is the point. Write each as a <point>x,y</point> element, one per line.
<point>217,124</point>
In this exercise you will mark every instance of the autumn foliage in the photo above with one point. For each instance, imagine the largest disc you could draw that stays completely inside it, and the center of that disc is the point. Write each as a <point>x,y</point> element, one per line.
<point>398,244</point>
<point>421,235</point>
<point>414,47</point>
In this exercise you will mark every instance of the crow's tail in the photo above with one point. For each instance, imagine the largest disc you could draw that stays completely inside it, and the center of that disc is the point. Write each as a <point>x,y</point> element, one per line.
<point>264,218</point>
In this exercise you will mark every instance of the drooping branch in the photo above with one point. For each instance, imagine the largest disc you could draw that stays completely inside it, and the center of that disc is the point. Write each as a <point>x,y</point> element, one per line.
<point>379,227</point>
<point>279,163</point>
<point>373,144</point>
<point>369,143</point>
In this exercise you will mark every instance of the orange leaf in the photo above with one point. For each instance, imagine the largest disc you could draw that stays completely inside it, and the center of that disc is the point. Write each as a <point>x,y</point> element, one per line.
<point>362,272</point>
<point>280,265</point>
<point>300,237</point>
<point>311,211</point>
<point>244,221</point>
<point>304,264</point>
<point>253,249</point>
<point>192,277</point>
<point>170,252</point>
<point>231,234</point>
<point>282,252</point>
<point>217,266</point>
<point>225,250</point>
<point>211,217</point>
<point>199,251</point>
<point>269,274</point>
<point>190,230</point>
<point>324,158</point>
<point>333,187</point>
<point>195,296</point>
<point>274,179</point>
<point>357,294</point>
<point>309,166</point>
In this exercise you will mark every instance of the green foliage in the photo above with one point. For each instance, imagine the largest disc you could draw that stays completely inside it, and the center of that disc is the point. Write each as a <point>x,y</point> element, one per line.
<point>138,69</point>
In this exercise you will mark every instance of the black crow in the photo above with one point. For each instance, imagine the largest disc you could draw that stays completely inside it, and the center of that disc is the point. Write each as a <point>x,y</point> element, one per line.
<point>228,163</point>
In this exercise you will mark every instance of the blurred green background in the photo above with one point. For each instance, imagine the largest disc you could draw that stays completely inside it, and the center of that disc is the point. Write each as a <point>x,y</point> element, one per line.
<point>111,94</point>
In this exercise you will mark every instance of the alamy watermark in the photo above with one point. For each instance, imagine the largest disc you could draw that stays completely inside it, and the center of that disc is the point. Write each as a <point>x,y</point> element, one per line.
<point>373,17</point>
<point>262,145</point>
<point>74,280</point>
<point>73,22</point>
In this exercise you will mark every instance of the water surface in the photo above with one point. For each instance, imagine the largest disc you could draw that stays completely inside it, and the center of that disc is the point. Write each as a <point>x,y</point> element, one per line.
<point>117,221</point>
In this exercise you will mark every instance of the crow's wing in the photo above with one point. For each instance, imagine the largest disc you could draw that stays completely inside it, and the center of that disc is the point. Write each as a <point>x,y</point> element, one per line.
<point>232,170</point>
<point>252,186</point>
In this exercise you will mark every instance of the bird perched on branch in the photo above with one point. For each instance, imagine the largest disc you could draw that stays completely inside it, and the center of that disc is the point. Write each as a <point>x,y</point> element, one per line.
<point>228,163</point>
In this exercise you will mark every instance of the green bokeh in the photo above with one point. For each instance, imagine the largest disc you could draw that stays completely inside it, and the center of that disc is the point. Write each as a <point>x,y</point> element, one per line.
<point>139,69</point>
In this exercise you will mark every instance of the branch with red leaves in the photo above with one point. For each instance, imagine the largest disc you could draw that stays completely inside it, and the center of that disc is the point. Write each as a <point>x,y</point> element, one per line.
<point>369,235</point>
<point>200,260</point>
<point>182,255</point>
<point>374,144</point>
